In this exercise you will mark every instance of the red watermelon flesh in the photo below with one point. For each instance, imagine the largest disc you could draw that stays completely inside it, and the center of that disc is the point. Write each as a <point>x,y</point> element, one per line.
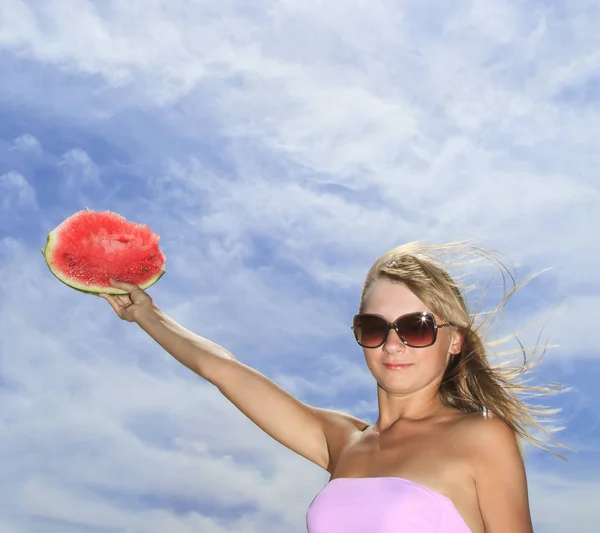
<point>90,247</point>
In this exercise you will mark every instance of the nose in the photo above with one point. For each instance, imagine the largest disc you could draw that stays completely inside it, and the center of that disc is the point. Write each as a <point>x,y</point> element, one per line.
<point>393,343</point>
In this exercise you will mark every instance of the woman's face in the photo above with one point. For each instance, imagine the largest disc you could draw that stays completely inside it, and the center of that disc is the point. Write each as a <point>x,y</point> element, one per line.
<point>426,365</point>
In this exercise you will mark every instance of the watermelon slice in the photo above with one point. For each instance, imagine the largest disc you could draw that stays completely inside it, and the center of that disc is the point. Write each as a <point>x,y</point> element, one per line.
<point>90,247</point>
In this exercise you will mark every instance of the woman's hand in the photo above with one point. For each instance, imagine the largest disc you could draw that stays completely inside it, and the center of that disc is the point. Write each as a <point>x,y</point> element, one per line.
<point>128,306</point>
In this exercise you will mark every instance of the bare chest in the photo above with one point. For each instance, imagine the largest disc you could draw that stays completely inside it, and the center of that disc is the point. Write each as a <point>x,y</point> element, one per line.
<point>436,460</point>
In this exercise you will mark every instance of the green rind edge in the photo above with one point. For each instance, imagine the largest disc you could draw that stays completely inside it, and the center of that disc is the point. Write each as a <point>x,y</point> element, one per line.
<point>100,290</point>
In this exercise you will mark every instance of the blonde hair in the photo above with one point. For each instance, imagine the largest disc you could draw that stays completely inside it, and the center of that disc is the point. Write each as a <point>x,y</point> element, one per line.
<point>470,383</point>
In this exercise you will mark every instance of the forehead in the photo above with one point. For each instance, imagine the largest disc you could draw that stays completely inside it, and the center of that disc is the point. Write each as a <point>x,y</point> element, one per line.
<point>391,299</point>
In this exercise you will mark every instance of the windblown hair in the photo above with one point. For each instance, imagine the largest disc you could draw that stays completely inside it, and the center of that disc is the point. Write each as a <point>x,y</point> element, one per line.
<point>470,382</point>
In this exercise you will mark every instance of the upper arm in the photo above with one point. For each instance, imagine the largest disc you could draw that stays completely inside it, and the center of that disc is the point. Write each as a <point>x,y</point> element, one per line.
<point>338,427</point>
<point>311,432</point>
<point>500,479</point>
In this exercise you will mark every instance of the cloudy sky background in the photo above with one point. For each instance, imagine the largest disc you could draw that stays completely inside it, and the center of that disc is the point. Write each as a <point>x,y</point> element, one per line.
<point>278,148</point>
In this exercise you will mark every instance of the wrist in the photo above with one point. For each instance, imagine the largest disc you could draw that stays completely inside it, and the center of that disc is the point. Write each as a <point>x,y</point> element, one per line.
<point>146,314</point>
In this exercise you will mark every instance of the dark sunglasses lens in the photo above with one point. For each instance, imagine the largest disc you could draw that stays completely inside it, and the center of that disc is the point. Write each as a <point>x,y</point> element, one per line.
<point>370,331</point>
<point>418,330</point>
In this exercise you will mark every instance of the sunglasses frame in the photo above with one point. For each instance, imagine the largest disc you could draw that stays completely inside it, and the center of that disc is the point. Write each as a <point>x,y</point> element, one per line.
<point>394,326</point>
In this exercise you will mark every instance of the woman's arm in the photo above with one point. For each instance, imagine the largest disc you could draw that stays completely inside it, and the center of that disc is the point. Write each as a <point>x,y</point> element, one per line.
<point>309,431</point>
<point>500,478</point>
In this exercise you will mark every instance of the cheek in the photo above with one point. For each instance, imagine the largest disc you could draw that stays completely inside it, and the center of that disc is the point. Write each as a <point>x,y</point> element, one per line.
<point>374,358</point>
<point>372,354</point>
<point>433,357</point>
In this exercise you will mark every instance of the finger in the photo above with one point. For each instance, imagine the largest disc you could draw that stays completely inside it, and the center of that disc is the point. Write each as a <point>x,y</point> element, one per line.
<point>129,287</point>
<point>113,303</point>
<point>122,299</point>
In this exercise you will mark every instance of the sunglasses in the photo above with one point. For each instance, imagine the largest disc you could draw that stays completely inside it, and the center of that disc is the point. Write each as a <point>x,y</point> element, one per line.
<point>417,330</point>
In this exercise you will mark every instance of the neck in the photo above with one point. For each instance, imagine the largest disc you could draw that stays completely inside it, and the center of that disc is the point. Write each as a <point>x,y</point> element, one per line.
<point>411,408</point>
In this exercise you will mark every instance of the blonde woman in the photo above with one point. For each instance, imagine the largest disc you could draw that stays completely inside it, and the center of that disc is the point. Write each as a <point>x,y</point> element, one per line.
<point>444,454</point>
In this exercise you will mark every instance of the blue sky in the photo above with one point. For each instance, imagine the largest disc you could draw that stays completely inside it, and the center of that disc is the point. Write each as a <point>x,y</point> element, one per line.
<point>278,149</point>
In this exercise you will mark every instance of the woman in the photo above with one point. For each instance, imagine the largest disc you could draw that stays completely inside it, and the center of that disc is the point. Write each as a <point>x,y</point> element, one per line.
<point>443,455</point>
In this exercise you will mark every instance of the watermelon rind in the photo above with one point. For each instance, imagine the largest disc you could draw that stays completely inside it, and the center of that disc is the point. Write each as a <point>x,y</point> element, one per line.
<point>87,289</point>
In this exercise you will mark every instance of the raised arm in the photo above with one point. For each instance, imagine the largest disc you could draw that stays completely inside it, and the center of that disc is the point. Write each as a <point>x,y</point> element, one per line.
<point>309,431</point>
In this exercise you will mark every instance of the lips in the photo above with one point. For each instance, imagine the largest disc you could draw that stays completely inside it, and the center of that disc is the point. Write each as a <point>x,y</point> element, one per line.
<point>397,366</point>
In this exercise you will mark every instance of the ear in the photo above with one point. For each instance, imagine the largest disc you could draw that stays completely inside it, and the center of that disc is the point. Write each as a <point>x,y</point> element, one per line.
<point>456,343</point>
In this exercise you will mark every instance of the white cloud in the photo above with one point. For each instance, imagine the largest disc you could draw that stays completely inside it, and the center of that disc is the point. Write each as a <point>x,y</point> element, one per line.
<point>16,192</point>
<point>345,131</point>
<point>27,143</point>
<point>126,411</point>
<point>79,168</point>
<point>558,502</point>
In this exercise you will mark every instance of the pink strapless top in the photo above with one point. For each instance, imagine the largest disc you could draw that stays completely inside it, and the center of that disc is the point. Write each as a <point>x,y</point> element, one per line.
<point>382,505</point>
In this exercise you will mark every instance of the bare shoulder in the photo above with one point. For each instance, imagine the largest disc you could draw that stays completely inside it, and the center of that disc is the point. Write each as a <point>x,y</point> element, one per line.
<point>489,434</point>
<point>339,428</point>
<point>499,474</point>
<point>336,422</point>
